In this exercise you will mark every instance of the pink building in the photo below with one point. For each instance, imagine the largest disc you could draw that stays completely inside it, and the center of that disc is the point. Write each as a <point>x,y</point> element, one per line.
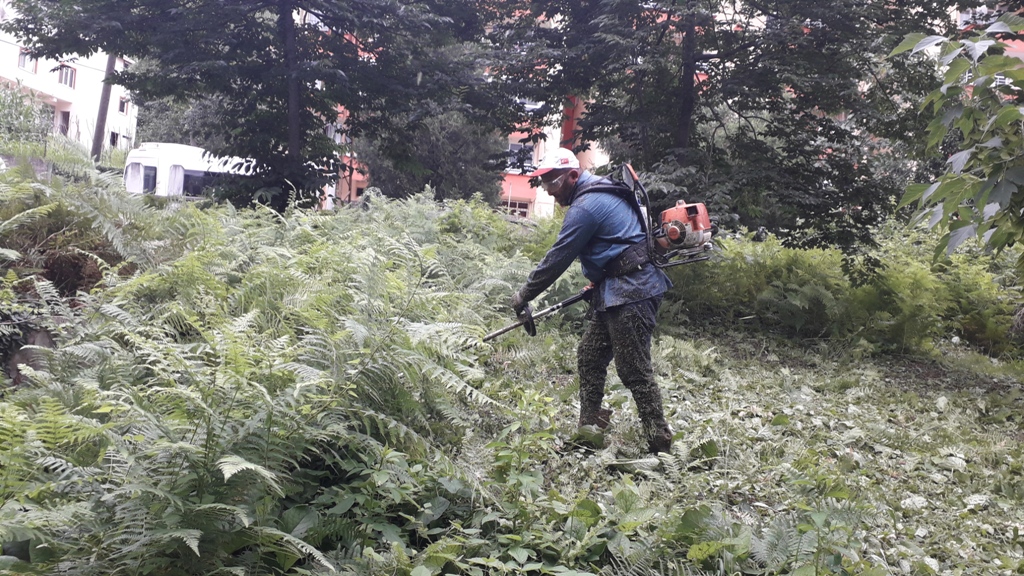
<point>521,199</point>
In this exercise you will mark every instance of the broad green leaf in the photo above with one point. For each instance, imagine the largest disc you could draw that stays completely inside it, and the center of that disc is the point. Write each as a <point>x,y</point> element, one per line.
<point>1002,192</point>
<point>914,192</point>
<point>959,234</point>
<point>1013,20</point>
<point>1007,115</point>
<point>935,216</point>
<point>959,160</point>
<point>520,554</point>
<point>1015,175</point>
<point>587,511</point>
<point>909,43</point>
<point>955,71</point>
<point>926,196</point>
<point>978,49</point>
<point>997,64</point>
<point>421,571</point>
<point>952,115</point>
<point>928,42</point>
<point>997,27</point>
<point>949,56</point>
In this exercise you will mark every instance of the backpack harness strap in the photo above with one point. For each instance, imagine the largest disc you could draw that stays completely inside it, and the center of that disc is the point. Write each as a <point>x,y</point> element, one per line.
<point>637,254</point>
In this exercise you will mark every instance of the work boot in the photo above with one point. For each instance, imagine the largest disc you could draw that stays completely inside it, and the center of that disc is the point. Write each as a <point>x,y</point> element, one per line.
<point>602,418</point>
<point>659,439</point>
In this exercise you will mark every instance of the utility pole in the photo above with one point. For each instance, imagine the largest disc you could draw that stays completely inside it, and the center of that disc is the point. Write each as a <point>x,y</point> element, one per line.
<point>101,116</point>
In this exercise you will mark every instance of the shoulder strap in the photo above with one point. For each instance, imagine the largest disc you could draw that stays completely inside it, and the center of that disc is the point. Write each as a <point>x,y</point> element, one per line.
<point>619,190</point>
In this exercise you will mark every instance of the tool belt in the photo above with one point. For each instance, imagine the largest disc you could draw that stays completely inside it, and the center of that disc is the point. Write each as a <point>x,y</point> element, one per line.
<point>631,260</point>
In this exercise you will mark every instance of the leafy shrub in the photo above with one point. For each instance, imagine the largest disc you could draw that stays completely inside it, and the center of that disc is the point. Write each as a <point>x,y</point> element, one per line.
<point>903,306</point>
<point>23,118</point>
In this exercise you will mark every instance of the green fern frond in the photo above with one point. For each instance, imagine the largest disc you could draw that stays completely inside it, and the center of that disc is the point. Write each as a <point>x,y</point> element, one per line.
<point>778,545</point>
<point>231,465</point>
<point>274,539</point>
<point>189,536</point>
<point>26,217</point>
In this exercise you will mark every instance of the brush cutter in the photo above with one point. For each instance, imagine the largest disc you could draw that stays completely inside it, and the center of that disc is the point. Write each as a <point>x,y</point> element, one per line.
<point>541,314</point>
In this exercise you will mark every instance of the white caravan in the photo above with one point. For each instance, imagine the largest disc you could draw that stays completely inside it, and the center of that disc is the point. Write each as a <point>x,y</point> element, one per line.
<point>174,169</point>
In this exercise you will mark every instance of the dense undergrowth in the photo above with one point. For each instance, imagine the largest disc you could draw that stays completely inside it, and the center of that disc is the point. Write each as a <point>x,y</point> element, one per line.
<point>249,392</point>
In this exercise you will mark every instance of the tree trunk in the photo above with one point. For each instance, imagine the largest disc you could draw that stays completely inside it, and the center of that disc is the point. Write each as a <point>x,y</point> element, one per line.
<point>687,83</point>
<point>286,26</point>
<point>101,116</point>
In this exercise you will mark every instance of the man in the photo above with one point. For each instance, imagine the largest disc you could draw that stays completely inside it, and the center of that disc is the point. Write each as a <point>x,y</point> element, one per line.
<point>604,231</point>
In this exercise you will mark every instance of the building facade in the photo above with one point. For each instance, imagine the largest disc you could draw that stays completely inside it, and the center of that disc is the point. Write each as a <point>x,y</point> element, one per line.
<point>517,196</point>
<point>71,89</point>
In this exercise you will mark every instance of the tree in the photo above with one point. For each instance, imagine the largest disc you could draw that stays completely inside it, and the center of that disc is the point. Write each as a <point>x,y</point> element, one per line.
<point>777,110</point>
<point>281,69</point>
<point>453,156</point>
<point>979,102</point>
<point>195,123</point>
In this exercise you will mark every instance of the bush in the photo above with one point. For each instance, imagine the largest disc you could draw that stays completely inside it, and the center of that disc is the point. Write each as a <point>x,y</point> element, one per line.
<point>903,306</point>
<point>22,117</point>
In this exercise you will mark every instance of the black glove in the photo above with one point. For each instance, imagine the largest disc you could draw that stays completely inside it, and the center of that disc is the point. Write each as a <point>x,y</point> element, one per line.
<point>588,292</point>
<point>524,313</point>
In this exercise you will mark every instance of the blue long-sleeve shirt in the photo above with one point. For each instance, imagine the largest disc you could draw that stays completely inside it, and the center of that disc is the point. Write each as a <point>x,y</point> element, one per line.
<point>596,229</point>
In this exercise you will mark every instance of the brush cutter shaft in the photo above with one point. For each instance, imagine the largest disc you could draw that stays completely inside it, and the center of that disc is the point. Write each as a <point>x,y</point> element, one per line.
<point>538,315</point>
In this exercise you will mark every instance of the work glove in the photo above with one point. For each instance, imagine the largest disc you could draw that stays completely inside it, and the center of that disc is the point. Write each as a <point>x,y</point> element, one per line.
<point>588,292</point>
<point>524,313</point>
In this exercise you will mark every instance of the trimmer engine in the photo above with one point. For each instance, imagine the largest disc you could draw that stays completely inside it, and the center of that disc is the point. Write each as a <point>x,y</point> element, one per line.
<point>683,226</point>
<point>682,235</point>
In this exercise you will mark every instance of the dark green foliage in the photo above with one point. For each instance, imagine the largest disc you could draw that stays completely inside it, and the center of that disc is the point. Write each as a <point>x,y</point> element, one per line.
<point>196,123</point>
<point>455,158</point>
<point>22,116</point>
<point>781,112</point>
<point>975,120</point>
<point>280,70</point>
<point>902,306</point>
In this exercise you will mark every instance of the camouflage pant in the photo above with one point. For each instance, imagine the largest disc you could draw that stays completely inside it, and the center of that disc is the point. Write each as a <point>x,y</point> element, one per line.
<point>623,333</point>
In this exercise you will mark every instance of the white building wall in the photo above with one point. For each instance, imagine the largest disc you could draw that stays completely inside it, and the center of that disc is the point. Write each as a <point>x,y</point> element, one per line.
<point>75,106</point>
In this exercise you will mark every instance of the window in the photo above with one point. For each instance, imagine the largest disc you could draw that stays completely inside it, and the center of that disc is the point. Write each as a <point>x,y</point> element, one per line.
<point>336,132</point>
<point>133,177</point>
<point>359,191</point>
<point>26,62</point>
<point>148,179</point>
<point>520,157</point>
<point>122,106</point>
<point>114,137</point>
<point>193,184</point>
<point>521,209</point>
<point>65,122</point>
<point>66,76</point>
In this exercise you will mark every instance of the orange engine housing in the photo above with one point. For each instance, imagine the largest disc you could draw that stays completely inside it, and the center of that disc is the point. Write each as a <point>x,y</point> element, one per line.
<point>684,226</point>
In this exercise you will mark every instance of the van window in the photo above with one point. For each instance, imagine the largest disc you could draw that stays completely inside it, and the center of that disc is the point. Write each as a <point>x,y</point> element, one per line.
<point>133,177</point>
<point>194,182</point>
<point>175,180</point>
<point>148,179</point>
